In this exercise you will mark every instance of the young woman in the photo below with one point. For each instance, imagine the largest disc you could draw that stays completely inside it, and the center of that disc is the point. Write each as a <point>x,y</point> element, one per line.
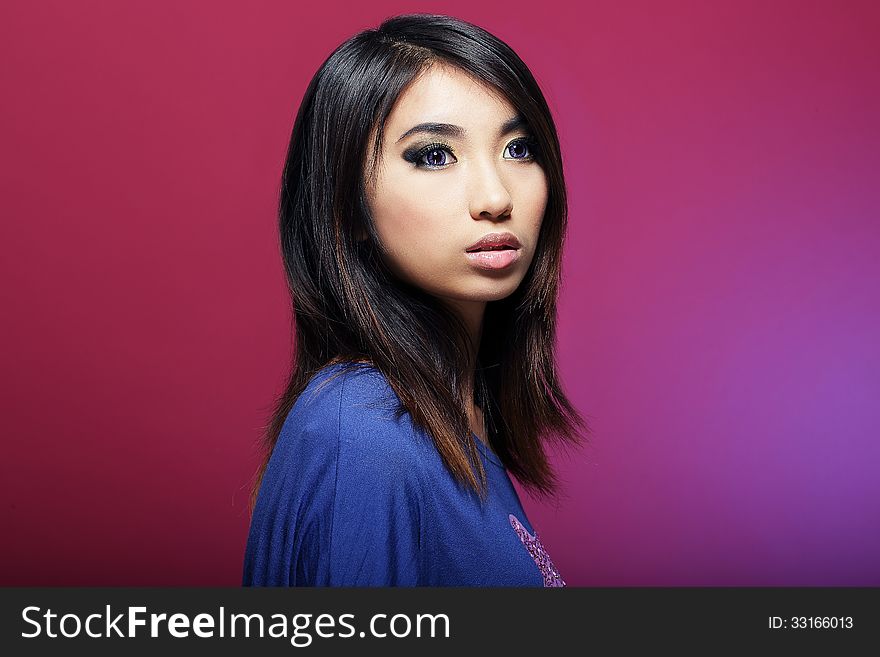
<point>422,217</point>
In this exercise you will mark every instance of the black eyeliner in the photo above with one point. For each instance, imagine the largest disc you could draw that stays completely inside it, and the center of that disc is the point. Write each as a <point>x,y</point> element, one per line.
<point>531,142</point>
<point>414,153</point>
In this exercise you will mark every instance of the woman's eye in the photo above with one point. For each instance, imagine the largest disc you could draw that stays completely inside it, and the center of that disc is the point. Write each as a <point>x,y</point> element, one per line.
<point>436,157</point>
<point>433,156</point>
<point>521,149</point>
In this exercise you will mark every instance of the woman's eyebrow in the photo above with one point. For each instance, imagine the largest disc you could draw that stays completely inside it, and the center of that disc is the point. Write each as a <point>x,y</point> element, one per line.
<point>515,123</point>
<point>450,130</point>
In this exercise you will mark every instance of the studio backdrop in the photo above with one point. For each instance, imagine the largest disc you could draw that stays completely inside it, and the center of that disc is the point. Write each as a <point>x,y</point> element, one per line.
<point>718,320</point>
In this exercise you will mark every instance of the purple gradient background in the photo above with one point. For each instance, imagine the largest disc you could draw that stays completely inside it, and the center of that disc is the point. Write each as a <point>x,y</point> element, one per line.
<point>718,324</point>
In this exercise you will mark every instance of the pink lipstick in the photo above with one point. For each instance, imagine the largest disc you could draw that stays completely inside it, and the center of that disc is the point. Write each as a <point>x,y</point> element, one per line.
<point>494,251</point>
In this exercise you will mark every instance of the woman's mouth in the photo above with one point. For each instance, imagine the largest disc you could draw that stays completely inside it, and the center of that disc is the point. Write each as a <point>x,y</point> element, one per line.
<point>496,257</point>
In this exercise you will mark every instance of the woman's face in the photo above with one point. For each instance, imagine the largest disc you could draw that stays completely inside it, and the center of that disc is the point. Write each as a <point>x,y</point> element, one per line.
<point>440,188</point>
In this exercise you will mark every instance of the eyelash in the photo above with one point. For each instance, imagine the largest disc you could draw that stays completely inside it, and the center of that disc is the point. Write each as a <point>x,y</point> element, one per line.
<point>416,157</point>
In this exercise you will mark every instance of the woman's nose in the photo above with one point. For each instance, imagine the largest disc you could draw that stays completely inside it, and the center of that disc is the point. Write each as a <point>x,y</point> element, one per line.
<point>489,196</point>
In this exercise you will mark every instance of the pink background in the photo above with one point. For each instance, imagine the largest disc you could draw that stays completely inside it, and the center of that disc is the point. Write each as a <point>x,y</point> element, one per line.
<point>719,320</point>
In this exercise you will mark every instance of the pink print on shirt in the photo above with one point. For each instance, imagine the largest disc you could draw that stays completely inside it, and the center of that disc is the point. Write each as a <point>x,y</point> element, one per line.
<point>539,554</point>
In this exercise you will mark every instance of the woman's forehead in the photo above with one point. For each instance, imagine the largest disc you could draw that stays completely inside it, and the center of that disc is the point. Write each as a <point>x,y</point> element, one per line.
<point>445,94</point>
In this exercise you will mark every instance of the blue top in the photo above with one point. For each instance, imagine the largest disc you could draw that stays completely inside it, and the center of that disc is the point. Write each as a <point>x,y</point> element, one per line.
<point>353,497</point>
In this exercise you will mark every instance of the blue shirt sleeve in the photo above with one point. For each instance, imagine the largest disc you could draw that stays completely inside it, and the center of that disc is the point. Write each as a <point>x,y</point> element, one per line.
<point>341,501</point>
<point>375,535</point>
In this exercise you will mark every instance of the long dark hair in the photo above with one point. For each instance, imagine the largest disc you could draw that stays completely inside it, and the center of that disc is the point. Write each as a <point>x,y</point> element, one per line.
<point>349,308</point>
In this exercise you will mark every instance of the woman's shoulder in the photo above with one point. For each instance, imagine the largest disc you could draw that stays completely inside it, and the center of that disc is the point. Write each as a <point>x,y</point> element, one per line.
<point>338,389</point>
<point>343,494</point>
<point>350,408</point>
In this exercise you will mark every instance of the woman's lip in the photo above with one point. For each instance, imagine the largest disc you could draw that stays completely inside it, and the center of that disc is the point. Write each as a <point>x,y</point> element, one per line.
<point>495,240</point>
<point>493,259</point>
